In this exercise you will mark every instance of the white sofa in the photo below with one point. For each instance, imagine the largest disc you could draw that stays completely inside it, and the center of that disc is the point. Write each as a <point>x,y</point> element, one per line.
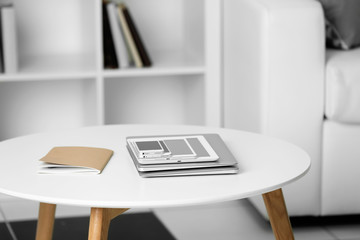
<point>280,80</point>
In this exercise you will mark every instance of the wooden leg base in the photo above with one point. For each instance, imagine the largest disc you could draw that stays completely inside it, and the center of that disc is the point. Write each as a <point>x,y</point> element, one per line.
<point>45,225</point>
<point>100,219</point>
<point>279,219</point>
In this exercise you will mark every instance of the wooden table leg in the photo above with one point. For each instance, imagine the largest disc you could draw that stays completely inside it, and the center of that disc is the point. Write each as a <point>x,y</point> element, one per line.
<point>279,219</point>
<point>46,220</point>
<point>100,221</point>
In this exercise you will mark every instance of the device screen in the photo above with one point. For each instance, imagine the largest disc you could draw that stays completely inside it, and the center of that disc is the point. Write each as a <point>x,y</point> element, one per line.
<point>149,146</point>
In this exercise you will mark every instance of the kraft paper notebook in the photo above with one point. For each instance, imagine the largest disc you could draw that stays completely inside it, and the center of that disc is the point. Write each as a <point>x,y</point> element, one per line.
<point>75,160</point>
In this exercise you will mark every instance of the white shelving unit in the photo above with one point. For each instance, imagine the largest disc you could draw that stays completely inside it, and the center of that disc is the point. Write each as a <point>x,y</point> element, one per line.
<point>61,82</point>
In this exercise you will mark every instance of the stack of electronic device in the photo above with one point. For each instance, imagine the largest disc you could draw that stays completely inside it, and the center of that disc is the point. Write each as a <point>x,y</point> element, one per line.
<point>181,155</point>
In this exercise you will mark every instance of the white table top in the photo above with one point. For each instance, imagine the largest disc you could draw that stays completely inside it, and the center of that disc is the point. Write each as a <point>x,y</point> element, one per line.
<point>265,164</point>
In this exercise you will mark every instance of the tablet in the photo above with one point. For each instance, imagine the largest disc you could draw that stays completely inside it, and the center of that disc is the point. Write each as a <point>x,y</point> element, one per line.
<point>171,149</point>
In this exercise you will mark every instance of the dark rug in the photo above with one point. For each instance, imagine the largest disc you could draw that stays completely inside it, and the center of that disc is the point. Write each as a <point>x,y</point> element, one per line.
<point>4,234</point>
<point>305,221</point>
<point>136,226</point>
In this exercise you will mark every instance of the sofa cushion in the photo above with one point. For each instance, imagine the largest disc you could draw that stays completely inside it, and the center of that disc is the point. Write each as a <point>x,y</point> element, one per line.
<point>342,94</point>
<point>340,176</point>
<point>342,23</point>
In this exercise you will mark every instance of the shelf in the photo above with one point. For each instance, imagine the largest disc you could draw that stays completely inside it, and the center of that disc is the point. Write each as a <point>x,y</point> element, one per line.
<point>165,63</point>
<point>61,81</point>
<point>154,71</point>
<point>22,77</point>
<point>45,68</point>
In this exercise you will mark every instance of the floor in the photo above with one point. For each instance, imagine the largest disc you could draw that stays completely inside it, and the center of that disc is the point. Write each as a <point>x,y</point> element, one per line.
<point>212,223</point>
<point>228,221</point>
<point>136,226</point>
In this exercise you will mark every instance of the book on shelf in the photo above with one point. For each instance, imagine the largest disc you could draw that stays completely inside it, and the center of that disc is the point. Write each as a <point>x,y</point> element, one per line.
<point>110,59</point>
<point>8,40</point>
<point>136,36</point>
<point>211,156</point>
<point>118,37</point>
<point>129,37</point>
<point>122,40</point>
<point>65,160</point>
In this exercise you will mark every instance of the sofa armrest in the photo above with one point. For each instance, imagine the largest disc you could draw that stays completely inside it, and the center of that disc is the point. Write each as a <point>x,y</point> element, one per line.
<point>274,57</point>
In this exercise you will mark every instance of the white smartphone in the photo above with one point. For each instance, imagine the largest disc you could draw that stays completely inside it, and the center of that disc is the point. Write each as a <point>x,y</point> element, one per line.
<point>148,148</point>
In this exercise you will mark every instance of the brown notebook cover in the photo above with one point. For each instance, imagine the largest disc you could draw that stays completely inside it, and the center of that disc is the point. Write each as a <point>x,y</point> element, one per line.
<point>75,159</point>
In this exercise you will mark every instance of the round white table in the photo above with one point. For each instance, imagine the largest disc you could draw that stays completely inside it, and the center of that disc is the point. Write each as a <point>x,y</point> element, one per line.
<point>266,165</point>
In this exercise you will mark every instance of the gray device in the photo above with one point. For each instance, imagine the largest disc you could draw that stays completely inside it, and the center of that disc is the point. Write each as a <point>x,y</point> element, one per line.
<point>171,149</point>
